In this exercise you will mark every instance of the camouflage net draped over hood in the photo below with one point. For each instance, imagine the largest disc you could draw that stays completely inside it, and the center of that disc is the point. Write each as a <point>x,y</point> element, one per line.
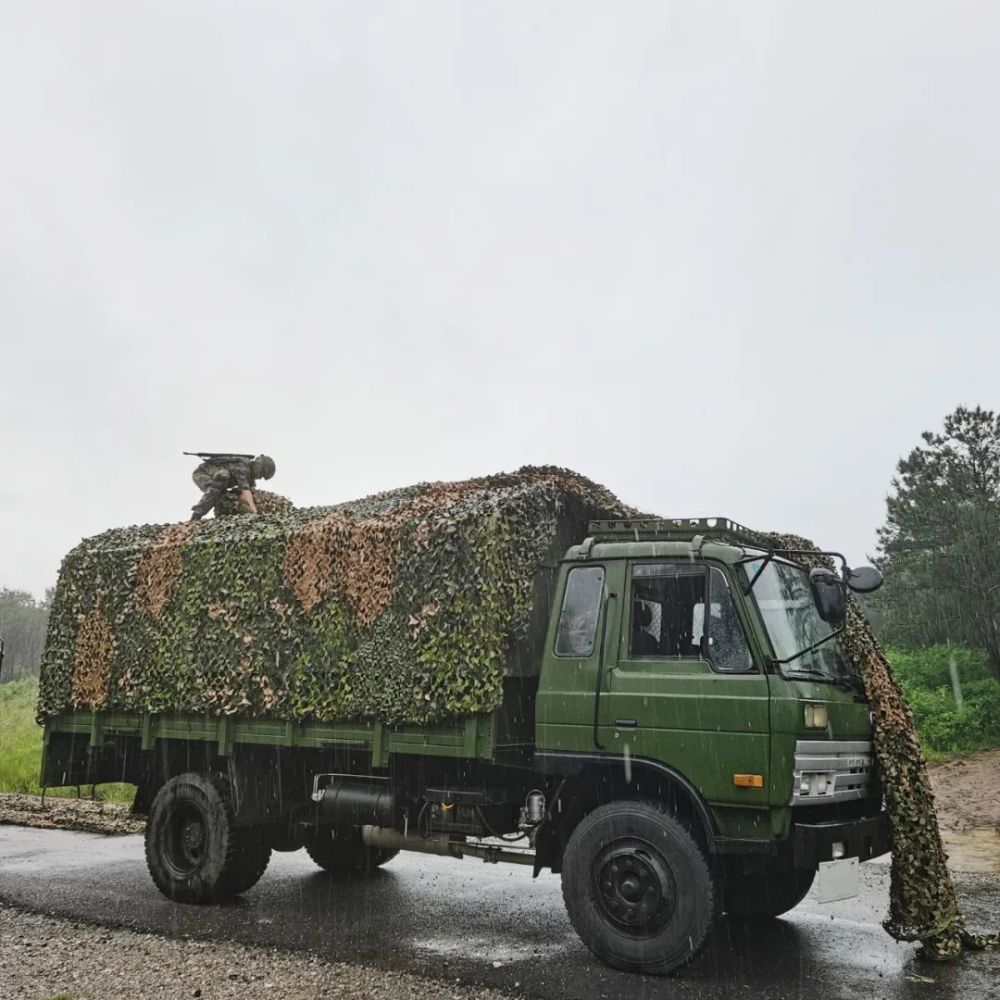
<point>922,904</point>
<point>407,606</point>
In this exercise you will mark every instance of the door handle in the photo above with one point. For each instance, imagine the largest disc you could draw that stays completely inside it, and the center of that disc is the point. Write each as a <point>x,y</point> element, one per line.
<point>626,724</point>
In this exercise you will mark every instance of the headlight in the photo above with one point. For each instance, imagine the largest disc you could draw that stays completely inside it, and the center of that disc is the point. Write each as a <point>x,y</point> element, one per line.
<point>817,716</point>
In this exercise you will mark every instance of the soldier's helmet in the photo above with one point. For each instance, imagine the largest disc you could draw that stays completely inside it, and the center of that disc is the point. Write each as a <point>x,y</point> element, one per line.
<point>263,466</point>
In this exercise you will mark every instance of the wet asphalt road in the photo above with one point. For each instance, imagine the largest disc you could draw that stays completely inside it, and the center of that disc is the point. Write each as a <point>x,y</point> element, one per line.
<point>450,919</point>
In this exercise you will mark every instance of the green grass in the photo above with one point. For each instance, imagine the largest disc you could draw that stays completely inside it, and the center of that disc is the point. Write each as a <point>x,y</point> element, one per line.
<point>955,716</point>
<point>21,746</point>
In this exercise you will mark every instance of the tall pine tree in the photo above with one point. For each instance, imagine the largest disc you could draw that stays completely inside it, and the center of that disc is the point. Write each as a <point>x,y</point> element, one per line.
<point>940,546</point>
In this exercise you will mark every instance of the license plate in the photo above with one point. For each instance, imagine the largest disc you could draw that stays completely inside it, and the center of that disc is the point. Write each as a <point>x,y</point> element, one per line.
<point>838,879</point>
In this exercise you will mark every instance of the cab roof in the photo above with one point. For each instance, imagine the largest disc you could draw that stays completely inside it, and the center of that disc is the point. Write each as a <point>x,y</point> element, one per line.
<point>636,538</point>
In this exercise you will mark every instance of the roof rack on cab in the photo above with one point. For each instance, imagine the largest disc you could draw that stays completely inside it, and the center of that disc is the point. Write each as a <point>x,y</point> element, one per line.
<point>671,529</point>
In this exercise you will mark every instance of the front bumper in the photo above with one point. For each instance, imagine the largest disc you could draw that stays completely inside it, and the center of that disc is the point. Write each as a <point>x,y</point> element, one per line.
<point>865,839</point>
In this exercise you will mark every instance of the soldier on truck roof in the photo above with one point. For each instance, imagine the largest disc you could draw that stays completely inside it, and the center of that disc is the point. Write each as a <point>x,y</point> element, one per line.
<point>219,474</point>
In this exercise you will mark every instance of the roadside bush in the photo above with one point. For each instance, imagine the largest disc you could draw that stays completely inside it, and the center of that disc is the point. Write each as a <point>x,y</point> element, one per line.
<point>928,666</point>
<point>946,728</point>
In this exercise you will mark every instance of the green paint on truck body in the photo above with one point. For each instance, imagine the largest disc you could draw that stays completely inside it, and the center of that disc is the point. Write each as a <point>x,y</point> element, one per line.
<point>706,725</point>
<point>471,737</point>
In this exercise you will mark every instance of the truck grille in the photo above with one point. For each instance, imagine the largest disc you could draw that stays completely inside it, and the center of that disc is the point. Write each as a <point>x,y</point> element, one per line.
<point>831,771</point>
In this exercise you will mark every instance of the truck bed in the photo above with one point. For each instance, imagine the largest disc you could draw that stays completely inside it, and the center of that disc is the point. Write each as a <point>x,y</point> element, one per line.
<point>505,735</point>
<point>471,736</point>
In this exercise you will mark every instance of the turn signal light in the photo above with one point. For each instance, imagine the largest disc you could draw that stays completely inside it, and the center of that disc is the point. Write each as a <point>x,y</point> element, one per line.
<point>748,780</point>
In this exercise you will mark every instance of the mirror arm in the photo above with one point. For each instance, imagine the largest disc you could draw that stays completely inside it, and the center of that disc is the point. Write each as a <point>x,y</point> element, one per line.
<point>772,553</point>
<point>763,566</point>
<point>814,552</point>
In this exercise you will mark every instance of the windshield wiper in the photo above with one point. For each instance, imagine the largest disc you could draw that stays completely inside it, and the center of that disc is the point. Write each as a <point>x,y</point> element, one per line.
<point>807,675</point>
<point>849,683</point>
<point>809,649</point>
<point>852,684</point>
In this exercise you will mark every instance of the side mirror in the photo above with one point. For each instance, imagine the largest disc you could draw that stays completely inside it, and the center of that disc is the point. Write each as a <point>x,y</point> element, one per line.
<point>829,595</point>
<point>864,579</point>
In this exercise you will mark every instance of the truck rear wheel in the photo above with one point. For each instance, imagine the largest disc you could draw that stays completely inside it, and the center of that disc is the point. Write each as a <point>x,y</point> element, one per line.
<point>767,893</point>
<point>345,853</point>
<point>194,850</point>
<point>638,888</point>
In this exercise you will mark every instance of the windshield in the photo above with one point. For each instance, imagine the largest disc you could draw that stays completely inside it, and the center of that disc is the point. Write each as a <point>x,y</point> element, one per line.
<point>785,602</point>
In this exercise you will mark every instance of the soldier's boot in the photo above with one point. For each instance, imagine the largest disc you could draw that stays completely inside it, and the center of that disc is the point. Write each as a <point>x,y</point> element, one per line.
<point>207,502</point>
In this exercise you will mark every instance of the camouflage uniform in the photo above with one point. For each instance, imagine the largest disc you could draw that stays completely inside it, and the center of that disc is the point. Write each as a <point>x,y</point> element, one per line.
<point>215,478</point>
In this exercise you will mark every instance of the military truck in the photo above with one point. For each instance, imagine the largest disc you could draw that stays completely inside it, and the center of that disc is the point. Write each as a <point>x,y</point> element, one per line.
<point>690,739</point>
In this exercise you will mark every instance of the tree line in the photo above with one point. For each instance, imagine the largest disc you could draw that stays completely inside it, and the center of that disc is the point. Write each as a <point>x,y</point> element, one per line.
<point>23,621</point>
<point>940,545</point>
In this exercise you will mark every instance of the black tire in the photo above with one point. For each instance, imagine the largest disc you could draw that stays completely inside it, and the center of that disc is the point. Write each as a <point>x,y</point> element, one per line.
<point>345,853</point>
<point>767,893</point>
<point>194,850</point>
<point>638,888</point>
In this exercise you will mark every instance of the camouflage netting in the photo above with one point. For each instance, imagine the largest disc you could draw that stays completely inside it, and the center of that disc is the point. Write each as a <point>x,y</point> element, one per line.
<point>407,606</point>
<point>266,503</point>
<point>922,904</point>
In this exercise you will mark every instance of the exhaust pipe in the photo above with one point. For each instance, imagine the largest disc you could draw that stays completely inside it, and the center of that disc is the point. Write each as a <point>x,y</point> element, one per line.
<point>442,845</point>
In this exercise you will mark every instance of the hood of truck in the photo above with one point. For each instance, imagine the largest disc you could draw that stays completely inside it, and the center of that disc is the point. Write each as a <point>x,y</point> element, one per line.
<point>848,720</point>
<point>848,717</point>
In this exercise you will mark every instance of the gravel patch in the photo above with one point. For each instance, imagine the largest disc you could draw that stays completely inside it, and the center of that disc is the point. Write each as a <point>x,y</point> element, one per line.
<point>55,813</point>
<point>44,957</point>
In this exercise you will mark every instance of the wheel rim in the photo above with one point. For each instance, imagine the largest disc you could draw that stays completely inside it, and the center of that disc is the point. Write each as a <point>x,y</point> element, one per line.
<point>185,840</point>
<point>634,886</point>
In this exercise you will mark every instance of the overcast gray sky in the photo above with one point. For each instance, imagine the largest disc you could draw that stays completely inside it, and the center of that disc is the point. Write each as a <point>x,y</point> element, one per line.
<point>724,258</point>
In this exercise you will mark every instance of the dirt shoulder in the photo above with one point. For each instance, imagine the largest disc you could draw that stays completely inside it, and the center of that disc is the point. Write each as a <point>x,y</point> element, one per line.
<point>43,957</point>
<point>56,813</point>
<point>967,792</point>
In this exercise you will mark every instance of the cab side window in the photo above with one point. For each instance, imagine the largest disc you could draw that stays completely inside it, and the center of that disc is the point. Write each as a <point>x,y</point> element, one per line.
<point>665,597</point>
<point>668,617</point>
<point>580,611</point>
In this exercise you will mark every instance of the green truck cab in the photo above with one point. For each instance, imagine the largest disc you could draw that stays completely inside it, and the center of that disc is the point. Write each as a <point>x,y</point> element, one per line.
<point>692,740</point>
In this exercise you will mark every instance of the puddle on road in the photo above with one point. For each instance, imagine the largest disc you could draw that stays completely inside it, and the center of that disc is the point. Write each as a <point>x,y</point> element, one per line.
<point>973,851</point>
<point>480,949</point>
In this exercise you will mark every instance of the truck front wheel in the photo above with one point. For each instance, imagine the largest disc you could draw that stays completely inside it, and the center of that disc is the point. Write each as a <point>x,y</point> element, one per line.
<point>767,893</point>
<point>194,850</point>
<point>345,853</point>
<point>638,888</point>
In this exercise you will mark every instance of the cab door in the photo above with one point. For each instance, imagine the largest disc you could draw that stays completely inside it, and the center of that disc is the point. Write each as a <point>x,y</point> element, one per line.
<point>582,636</point>
<point>685,689</point>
